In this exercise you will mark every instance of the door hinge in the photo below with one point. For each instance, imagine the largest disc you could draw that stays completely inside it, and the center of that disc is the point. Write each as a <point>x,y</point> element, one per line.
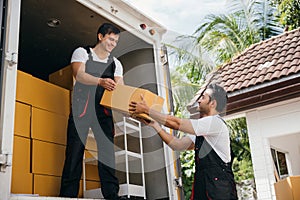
<point>178,182</point>
<point>12,58</point>
<point>5,161</point>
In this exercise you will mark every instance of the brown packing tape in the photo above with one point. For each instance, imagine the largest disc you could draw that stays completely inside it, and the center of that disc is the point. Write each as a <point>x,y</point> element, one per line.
<point>120,98</point>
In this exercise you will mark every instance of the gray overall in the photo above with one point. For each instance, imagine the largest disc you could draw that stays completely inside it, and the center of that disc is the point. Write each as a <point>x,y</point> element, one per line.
<point>88,113</point>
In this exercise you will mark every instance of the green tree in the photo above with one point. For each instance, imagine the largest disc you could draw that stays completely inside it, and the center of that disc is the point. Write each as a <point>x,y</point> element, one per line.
<point>183,92</point>
<point>188,171</point>
<point>217,40</point>
<point>227,35</point>
<point>258,15</point>
<point>192,63</point>
<point>288,12</point>
<point>242,164</point>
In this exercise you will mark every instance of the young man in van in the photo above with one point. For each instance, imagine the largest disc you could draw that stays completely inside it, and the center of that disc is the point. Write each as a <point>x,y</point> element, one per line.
<point>94,70</point>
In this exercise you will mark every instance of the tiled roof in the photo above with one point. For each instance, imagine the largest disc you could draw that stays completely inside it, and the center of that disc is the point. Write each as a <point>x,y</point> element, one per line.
<point>263,62</point>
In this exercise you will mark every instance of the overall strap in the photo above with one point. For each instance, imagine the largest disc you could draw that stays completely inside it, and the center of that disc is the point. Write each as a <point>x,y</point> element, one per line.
<point>232,155</point>
<point>110,60</point>
<point>206,156</point>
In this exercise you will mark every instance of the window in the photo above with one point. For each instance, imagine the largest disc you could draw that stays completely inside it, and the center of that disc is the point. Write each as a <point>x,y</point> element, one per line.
<point>279,159</point>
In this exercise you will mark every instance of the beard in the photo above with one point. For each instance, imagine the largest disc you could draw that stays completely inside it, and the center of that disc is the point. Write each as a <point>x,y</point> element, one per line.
<point>202,110</point>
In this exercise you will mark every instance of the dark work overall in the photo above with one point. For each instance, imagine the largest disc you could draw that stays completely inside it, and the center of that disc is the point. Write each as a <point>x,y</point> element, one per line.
<point>88,113</point>
<point>213,177</point>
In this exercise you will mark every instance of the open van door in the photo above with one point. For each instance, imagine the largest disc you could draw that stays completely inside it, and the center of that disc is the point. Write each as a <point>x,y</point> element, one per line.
<point>10,18</point>
<point>40,45</point>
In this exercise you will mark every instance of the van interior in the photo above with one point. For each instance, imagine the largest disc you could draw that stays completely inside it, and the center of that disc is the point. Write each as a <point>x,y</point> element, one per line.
<point>51,30</point>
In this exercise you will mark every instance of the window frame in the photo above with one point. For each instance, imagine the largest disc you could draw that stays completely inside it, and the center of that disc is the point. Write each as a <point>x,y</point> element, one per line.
<point>278,164</point>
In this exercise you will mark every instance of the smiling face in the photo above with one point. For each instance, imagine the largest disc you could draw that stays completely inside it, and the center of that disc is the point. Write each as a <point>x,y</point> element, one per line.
<point>108,42</point>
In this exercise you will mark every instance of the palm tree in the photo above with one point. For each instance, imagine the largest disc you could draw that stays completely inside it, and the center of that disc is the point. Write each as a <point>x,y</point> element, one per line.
<point>259,15</point>
<point>216,41</point>
<point>191,60</point>
<point>227,35</point>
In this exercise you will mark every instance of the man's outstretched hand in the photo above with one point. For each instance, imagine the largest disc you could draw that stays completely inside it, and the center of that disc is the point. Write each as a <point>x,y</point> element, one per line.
<point>140,107</point>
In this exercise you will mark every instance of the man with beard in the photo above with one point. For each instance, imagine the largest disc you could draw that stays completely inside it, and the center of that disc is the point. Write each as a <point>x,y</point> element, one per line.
<point>208,136</point>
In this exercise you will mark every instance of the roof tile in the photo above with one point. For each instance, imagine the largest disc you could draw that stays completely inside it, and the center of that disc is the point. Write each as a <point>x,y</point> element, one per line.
<point>284,72</point>
<point>275,75</point>
<point>266,61</point>
<point>267,77</point>
<point>251,82</point>
<point>297,54</point>
<point>281,59</point>
<point>260,79</point>
<point>290,56</point>
<point>295,62</point>
<point>294,68</point>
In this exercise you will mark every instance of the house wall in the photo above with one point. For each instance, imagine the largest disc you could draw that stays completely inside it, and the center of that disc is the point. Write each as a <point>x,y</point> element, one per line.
<point>291,145</point>
<point>276,120</point>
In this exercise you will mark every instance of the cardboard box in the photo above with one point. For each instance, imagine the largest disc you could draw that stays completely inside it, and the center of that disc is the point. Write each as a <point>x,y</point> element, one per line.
<point>91,172</point>
<point>24,91</point>
<point>91,143</point>
<point>288,188</point>
<point>80,193</point>
<point>47,158</point>
<point>89,186</point>
<point>21,183</point>
<point>91,155</point>
<point>50,97</point>
<point>21,155</point>
<point>120,98</point>
<point>46,185</point>
<point>22,120</point>
<point>63,78</point>
<point>22,179</point>
<point>42,94</point>
<point>49,126</point>
<point>92,185</point>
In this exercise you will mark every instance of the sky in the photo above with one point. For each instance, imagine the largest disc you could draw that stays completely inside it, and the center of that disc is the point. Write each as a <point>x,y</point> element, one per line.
<point>178,16</point>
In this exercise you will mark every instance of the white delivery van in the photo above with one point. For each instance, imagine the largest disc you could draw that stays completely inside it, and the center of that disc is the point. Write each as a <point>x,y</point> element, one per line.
<point>37,40</point>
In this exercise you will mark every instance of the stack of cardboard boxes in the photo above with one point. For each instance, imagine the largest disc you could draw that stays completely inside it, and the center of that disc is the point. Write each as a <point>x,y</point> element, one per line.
<point>41,117</point>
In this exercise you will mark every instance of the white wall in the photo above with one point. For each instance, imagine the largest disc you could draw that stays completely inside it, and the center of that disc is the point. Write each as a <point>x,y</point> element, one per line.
<point>291,145</point>
<point>271,121</point>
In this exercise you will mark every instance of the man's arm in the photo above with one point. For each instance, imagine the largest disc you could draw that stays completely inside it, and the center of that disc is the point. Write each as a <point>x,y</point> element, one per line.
<point>119,80</point>
<point>81,76</point>
<point>177,144</point>
<point>170,121</point>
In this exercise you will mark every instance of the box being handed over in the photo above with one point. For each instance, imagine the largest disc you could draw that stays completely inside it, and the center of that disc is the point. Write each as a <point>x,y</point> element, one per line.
<point>120,98</point>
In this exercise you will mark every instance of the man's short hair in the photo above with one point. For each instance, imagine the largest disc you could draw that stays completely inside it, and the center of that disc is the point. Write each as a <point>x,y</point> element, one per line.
<point>107,28</point>
<point>220,95</point>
